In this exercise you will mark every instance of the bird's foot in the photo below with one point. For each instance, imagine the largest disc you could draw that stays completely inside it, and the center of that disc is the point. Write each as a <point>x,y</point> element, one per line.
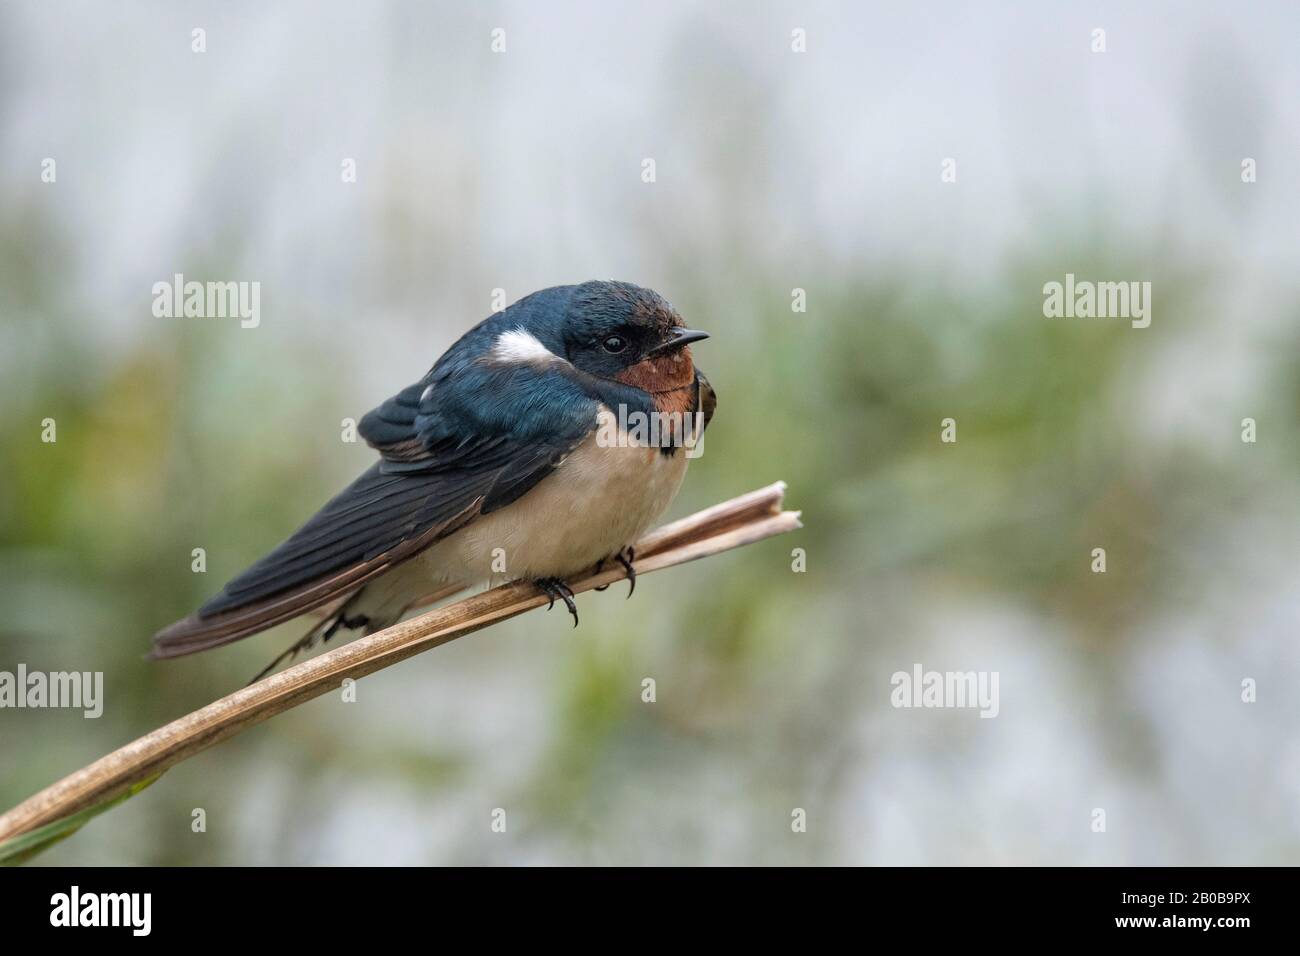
<point>555,588</point>
<point>625,558</point>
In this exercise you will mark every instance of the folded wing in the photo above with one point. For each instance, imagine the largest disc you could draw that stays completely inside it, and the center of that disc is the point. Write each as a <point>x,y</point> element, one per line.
<point>462,442</point>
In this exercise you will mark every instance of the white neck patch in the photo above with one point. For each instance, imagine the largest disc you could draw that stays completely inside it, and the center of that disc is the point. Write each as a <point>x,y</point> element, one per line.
<point>518,347</point>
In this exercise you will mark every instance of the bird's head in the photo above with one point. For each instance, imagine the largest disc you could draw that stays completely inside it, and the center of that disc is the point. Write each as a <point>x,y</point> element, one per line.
<point>620,331</point>
<point>614,331</point>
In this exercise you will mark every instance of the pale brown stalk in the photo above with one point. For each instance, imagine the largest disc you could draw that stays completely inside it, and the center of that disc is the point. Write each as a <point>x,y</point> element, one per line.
<point>733,523</point>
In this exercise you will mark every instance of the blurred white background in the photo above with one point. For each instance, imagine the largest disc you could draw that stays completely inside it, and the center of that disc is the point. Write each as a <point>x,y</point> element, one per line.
<point>775,170</point>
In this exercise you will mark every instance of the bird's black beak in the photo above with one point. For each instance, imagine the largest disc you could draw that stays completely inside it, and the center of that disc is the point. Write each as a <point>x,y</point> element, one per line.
<point>678,338</point>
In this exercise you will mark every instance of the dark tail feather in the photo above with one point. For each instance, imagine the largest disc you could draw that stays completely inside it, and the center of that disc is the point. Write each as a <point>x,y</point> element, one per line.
<point>195,633</point>
<point>328,559</point>
<point>320,632</point>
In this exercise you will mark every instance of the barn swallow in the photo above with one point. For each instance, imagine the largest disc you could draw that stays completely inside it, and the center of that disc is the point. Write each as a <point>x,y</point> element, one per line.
<point>497,464</point>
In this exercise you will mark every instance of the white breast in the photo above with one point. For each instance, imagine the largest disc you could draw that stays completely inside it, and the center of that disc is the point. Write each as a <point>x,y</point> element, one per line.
<point>597,502</point>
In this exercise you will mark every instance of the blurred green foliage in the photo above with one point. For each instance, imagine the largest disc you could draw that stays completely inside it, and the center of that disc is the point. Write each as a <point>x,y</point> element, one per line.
<point>772,686</point>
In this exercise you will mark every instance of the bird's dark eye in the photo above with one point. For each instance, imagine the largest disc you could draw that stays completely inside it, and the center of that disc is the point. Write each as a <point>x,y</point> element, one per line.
<point>615,343</point>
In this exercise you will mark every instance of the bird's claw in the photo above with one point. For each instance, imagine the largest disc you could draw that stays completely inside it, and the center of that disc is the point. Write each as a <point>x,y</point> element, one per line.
<point>555,588</point>
<point>625,558</point>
